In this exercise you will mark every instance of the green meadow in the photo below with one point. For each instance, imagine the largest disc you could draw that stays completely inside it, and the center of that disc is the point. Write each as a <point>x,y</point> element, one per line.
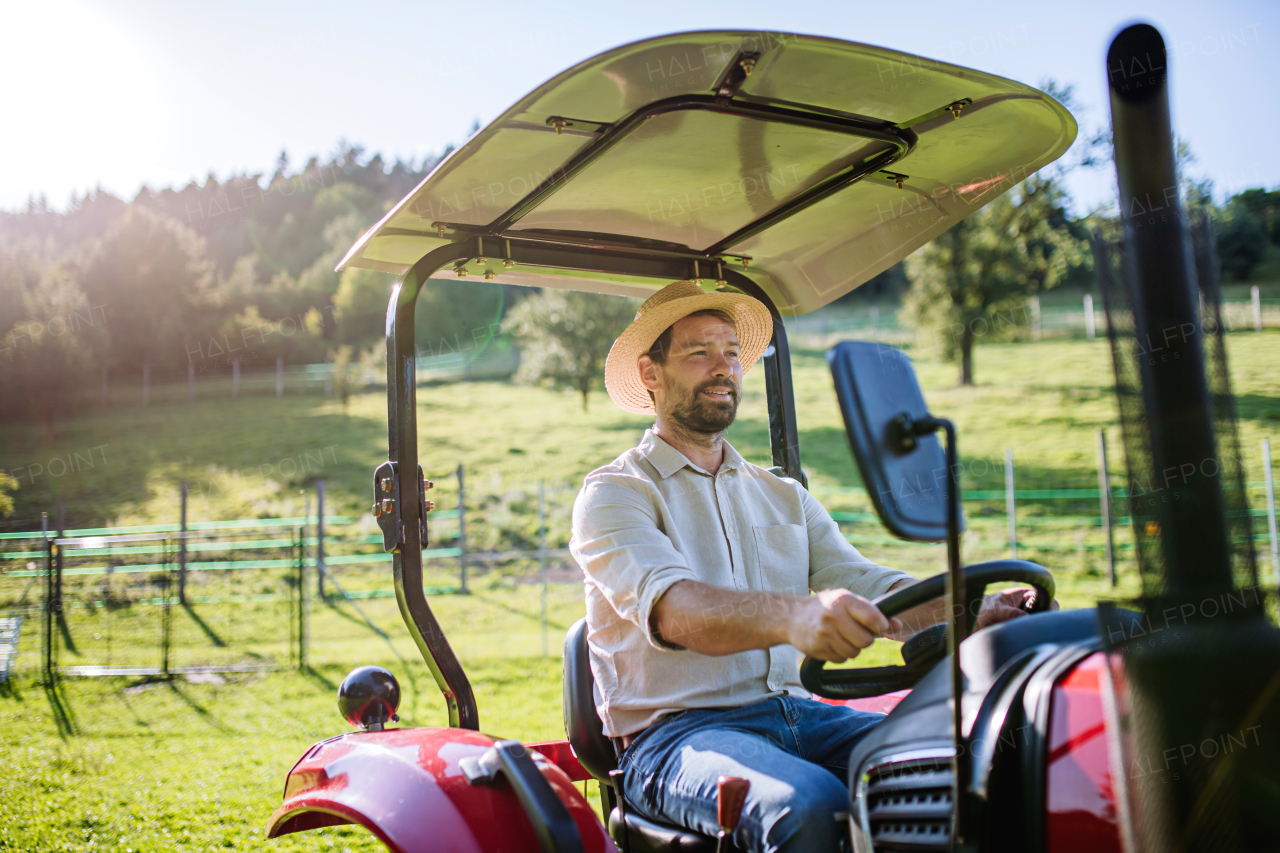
<point>150,765</point>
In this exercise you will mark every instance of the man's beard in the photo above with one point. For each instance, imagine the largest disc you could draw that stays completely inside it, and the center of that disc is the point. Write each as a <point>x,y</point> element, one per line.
<point>699,414</point>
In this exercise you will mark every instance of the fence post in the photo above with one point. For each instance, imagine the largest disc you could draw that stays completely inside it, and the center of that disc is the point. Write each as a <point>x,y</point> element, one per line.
<point>57,562</point>
<point>166,616</point>
<point>462,533</point>
<point>1037,333</point>
<point>542,557</point>
<point>146,384</point>
<point>875,318</point>
<point>1010,503</point>
<point>1256,295</point>
<point>328,376</point>
<point>1104,492</point>
<point>1271,512</point>
<point>46,627</point>
<point>320,539</point>
<point>191,381</point>
<point>1089,330</point>
<point>182,550</point>
<point>302,601</point>
<point>279,376</point>
<point>235,378</point>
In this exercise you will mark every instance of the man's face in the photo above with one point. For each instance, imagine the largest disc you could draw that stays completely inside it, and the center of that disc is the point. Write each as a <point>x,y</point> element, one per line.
<point>701,383</point>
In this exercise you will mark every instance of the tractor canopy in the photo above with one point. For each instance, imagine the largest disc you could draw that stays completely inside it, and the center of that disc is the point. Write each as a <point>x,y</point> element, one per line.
<point>809,163</point>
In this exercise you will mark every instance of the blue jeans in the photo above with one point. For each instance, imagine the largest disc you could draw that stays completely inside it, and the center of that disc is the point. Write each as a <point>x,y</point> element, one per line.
<point>794,751</point>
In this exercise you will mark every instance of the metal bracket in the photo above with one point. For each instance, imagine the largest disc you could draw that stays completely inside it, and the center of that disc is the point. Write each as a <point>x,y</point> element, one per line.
<point>735,75</point>
<point>386,506</point>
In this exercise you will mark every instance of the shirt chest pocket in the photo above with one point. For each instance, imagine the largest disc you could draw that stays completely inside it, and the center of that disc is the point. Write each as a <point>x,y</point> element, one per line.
<point>782,558</point>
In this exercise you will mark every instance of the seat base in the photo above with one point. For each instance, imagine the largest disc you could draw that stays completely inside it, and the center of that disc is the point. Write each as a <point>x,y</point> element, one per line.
<point>647,836</point>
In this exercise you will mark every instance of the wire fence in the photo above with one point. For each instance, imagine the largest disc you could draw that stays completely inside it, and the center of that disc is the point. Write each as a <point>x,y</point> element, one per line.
<point>1086,319</point>
<point>257,594</point>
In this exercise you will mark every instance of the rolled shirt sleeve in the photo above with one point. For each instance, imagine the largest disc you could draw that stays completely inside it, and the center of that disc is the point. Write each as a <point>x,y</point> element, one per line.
<point>835,564</point>
<point>621,549</point>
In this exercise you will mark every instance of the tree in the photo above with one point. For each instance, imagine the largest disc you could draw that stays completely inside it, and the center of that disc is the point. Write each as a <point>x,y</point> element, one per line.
<point>8,485</point>
<point>360,305</point>
<point>52,352</point>
<point>1242,242</point>
<point>565,335</point>
<point>150,276</point>
<point>1265,207</point>
<point>976,278</point>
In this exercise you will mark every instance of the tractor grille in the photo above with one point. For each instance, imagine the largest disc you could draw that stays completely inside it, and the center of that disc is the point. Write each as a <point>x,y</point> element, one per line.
<point>907,805</point>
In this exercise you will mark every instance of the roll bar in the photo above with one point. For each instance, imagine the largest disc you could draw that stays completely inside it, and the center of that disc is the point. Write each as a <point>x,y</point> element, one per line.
<point>403,519</point>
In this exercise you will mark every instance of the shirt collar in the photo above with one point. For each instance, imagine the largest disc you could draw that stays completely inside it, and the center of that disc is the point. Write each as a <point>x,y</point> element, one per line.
<point>667,460</point>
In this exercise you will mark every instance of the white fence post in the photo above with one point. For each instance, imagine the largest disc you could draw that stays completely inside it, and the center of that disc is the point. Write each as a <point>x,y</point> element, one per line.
<point>1037,333</point>
<point>1256,295</point>
<point>1089,330</point>
<point>542,557</point>
<point>1104,493</point>
<point>279,376</point>
<point>235,378</point>
<point>1010,503</point>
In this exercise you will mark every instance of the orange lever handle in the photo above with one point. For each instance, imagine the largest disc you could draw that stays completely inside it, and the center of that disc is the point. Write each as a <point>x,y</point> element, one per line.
<point>731,795</point>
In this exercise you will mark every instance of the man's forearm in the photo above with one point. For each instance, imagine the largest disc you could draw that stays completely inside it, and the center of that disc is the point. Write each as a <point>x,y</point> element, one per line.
<point>714,621</point>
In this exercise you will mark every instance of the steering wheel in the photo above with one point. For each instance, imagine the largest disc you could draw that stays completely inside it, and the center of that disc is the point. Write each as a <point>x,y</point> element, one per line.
<point>926,647</point>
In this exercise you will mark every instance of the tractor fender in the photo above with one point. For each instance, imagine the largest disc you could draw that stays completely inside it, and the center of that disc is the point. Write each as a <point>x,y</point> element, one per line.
<point>405,786</point>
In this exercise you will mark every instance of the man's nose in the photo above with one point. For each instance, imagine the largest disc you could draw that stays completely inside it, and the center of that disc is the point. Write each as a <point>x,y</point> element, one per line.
<point>723,366</point>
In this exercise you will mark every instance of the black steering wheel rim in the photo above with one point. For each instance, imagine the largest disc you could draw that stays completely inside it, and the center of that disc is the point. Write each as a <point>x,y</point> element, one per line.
<point>877,680</point>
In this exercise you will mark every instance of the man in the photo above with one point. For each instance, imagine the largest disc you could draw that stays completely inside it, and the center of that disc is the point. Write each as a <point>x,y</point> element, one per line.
<point>698,571</point>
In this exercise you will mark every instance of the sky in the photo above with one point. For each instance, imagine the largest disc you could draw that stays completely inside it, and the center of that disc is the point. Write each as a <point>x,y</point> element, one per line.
<point>121,94</point>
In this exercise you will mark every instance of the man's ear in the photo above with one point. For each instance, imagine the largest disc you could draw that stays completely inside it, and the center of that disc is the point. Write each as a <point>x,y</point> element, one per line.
<point>649,374</point>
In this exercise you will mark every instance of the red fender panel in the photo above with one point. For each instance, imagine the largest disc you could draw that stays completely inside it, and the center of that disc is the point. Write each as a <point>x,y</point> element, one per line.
<point>405,787</point>
<point>1080,803</point>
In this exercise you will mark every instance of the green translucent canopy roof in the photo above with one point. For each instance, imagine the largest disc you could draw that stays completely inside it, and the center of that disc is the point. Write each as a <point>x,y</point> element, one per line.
<point>820,162</point>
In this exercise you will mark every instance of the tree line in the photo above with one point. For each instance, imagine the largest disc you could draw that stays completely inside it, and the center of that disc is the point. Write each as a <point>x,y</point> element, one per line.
<point>190,279</point>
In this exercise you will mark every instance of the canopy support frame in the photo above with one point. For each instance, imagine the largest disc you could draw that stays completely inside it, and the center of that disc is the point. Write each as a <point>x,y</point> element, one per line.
<point>402,422</point>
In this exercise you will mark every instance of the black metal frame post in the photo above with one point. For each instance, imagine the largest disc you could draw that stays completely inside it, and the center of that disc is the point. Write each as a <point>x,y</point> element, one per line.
<point>958,610</point>
<point>399,507</point>
<point>1161,283</point>
<point>182,550</point>
<point>320,569</point>
<point>46,627</point>
<point>302,600</point>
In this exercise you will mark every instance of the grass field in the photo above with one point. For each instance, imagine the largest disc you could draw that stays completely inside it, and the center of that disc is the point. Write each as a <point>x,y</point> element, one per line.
<point>113,764</point>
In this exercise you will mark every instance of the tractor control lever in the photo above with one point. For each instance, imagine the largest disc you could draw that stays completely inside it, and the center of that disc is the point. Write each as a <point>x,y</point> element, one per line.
<point>731,795</point>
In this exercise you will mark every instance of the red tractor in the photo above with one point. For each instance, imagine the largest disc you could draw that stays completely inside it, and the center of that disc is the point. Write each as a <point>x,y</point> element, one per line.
<point>793,169</point>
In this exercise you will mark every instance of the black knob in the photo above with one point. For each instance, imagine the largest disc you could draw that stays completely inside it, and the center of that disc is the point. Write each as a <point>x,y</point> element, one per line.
<point>369,697</point>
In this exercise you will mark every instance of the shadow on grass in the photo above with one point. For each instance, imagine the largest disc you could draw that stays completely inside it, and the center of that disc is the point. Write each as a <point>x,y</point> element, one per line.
<point>200,710</point>
<point>515,611</point>
<point>63,715</point>
<point>208,632</point>
<point>320,679</point>
<point>70,644</point>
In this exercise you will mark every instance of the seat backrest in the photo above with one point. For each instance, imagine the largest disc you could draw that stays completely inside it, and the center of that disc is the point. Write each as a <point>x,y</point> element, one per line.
<point>581,721</point>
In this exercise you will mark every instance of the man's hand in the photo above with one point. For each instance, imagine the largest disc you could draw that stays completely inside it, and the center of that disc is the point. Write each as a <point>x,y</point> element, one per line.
<point>836,625</point>
<point>1009,604</point>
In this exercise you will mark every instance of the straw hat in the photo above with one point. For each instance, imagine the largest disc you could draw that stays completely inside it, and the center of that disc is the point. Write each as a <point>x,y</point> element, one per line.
<point>751,320</point>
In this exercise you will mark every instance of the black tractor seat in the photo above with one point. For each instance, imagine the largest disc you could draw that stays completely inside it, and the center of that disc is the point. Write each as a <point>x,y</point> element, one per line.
<point>596,753</point>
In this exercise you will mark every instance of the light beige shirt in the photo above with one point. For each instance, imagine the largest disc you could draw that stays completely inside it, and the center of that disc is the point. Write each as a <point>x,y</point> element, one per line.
<point>651,518</point>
